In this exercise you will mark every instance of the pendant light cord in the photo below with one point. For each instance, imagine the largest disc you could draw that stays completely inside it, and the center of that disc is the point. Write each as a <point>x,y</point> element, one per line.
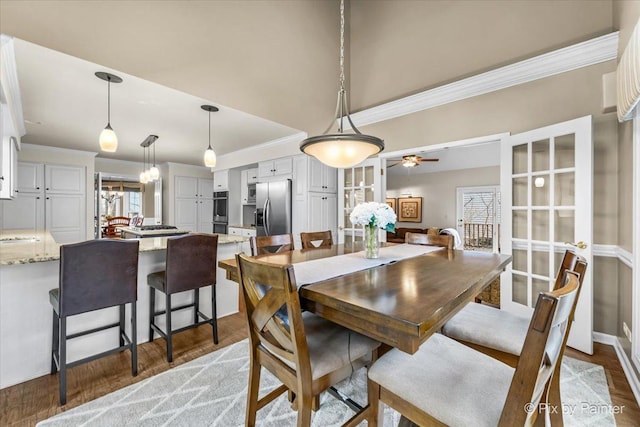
<point>109,101</point>
<point>209,131</point>
<point>342,109</point>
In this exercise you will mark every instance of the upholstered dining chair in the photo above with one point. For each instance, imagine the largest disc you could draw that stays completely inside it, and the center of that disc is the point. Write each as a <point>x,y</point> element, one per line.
<point>305,352</point>
<point>271,244</point>
<point>308,239</point>
<point>190,265</point>
<point>501,334</point>
<point>95,274</point>
<point>113,224</point>
<point>444,240</point>
<point>448,383</point>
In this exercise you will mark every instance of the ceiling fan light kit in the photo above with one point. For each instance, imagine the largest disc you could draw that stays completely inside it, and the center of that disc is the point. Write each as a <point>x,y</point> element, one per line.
<point>108,139</point>
<point>411,161</point>
<point>210,158</point>
<point>342,150</point>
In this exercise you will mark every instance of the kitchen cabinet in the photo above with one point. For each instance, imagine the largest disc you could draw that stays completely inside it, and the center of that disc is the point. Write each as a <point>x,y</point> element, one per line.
<point>241,231</point>
<point>252,175</point>
<point>8,167</point>
<point>323,212</point>
<point>314,197</point>
<point>48,197</point>
<point>275,167</point>
<point>221,180</point>
<point>322,178</point>
<point>194,204</point>
<point>244,190</point>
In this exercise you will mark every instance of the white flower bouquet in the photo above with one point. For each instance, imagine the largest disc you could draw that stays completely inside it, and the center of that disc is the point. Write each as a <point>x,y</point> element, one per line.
<point>374,215</point>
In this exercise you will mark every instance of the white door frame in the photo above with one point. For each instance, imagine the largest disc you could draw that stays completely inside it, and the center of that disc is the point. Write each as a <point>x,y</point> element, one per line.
<point>498,137</point>
<point>460,209</point>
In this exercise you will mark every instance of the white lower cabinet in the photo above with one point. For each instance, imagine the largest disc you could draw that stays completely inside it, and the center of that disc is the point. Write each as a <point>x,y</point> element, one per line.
<point>241,231</point>
<point>323,212</point>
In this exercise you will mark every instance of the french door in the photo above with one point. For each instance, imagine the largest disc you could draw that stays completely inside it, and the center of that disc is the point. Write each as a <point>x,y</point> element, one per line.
<point>361,183</point>
<point>547,187</point>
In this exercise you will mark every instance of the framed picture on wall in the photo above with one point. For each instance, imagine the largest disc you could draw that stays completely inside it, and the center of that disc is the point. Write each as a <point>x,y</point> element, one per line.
<point>392,202</point>
<point>410,209</point>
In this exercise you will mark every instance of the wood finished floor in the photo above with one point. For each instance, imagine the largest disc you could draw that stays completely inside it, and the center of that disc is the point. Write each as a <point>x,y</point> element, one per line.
<point>27,403</point>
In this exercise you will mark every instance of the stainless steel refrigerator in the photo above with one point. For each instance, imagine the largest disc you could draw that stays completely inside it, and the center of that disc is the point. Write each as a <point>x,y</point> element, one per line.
<point>273,203</point>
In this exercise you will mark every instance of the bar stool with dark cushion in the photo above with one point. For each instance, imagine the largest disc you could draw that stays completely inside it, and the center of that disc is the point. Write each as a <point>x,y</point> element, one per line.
<point>94,275</point>
<point>191,265</point>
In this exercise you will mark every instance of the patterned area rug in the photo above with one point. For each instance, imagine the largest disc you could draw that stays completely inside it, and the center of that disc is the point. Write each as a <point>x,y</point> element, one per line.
<point>211,391</point>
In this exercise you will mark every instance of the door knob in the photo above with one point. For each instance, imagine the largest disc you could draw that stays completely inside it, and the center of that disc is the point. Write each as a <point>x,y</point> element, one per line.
<point>341,228</point>
<point>579,245</point>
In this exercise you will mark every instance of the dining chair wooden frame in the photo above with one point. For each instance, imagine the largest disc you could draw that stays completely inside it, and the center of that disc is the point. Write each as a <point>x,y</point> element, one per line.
<point>278,341</point>
<point>307,239</point>
<point>444,240</point>
<point>570,262</point>
<point>279,243</point>
<point>543,348</point>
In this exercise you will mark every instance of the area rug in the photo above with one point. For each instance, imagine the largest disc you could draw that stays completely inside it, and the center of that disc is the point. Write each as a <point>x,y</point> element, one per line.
<point>211,391</point>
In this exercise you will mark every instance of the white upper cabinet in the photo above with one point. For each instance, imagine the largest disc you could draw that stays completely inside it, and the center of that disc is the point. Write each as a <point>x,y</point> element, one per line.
<point>221,180</point>
<point>186,187</point>
<point>252,176</point>
<point>275,167</point>
<point>322,178</point>
<point>8,167</point>
<point>30,177</point>
<point>64,179</point>
<point>205,188</point>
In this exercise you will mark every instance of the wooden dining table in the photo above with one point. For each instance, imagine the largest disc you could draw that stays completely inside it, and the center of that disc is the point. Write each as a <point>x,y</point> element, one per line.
<point>401,303</point>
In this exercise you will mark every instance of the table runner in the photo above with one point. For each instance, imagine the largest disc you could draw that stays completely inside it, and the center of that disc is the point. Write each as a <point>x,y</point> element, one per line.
<point>318,270</point>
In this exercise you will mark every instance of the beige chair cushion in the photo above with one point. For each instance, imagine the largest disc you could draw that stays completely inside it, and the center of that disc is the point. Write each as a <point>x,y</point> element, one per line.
<point>488,327</point>
<point>449,381</point>
<point>331,346</point>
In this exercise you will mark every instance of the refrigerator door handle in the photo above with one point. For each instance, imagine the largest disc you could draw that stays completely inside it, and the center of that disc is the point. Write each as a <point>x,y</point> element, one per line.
<point>267,207</point>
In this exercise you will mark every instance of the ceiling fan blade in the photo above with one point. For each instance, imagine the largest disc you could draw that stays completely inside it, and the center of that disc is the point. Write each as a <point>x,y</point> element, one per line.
<point>428,160</point>
<point>390,166</point>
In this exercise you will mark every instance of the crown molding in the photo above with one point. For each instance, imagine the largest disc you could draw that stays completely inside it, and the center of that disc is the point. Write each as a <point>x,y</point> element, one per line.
<point>285,140</point>
<point>69,151</point>
<point>590,52</point>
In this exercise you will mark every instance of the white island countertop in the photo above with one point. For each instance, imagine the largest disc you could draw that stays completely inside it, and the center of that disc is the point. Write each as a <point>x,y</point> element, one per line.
<point>29,246</point>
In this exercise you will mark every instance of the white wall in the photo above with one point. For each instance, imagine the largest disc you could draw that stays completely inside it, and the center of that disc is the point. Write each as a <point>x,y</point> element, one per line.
<point>438,192</point>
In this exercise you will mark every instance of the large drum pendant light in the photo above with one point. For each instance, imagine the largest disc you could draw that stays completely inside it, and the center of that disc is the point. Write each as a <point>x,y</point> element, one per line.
<point>108,138</point>
<point>342,150</point>
<point>209,155</point>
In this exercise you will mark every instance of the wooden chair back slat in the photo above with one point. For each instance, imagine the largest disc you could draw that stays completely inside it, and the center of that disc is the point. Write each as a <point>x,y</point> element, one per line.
<point>271,244</point>
<point>273,309</point>
<point>324,237</point>
<point>542,347</point>
<point>444,240</point>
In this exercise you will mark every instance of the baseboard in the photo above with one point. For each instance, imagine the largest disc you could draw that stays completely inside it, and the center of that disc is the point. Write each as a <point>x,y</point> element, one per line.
<point>613,341</point>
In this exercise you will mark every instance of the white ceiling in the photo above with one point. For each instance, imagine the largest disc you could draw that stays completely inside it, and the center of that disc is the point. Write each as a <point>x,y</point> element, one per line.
<point>65,105</point>
<point>467,157</point>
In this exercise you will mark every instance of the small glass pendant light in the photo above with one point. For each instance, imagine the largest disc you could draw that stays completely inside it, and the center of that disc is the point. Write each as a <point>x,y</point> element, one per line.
<point>108,138</point>
<point>210,158</point>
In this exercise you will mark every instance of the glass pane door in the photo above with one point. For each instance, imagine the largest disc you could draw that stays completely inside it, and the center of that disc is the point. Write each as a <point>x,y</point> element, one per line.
<point>358,184</point>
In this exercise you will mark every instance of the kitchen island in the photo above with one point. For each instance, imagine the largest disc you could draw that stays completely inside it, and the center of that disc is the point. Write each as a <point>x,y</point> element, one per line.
<point>29,268</point>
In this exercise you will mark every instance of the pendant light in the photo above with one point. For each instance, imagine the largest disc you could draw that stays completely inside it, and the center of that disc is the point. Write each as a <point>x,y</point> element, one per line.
<point>153,173</point>
<point>108,138</point>
<point>209,155</point>
<point>342,150</point>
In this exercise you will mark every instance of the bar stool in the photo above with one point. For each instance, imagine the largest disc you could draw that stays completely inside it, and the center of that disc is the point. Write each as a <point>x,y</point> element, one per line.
<point>94,275</point>
<point>191,265</point>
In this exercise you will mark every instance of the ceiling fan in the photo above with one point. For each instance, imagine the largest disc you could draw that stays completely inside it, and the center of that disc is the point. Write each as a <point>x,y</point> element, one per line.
<point>410,161</point>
